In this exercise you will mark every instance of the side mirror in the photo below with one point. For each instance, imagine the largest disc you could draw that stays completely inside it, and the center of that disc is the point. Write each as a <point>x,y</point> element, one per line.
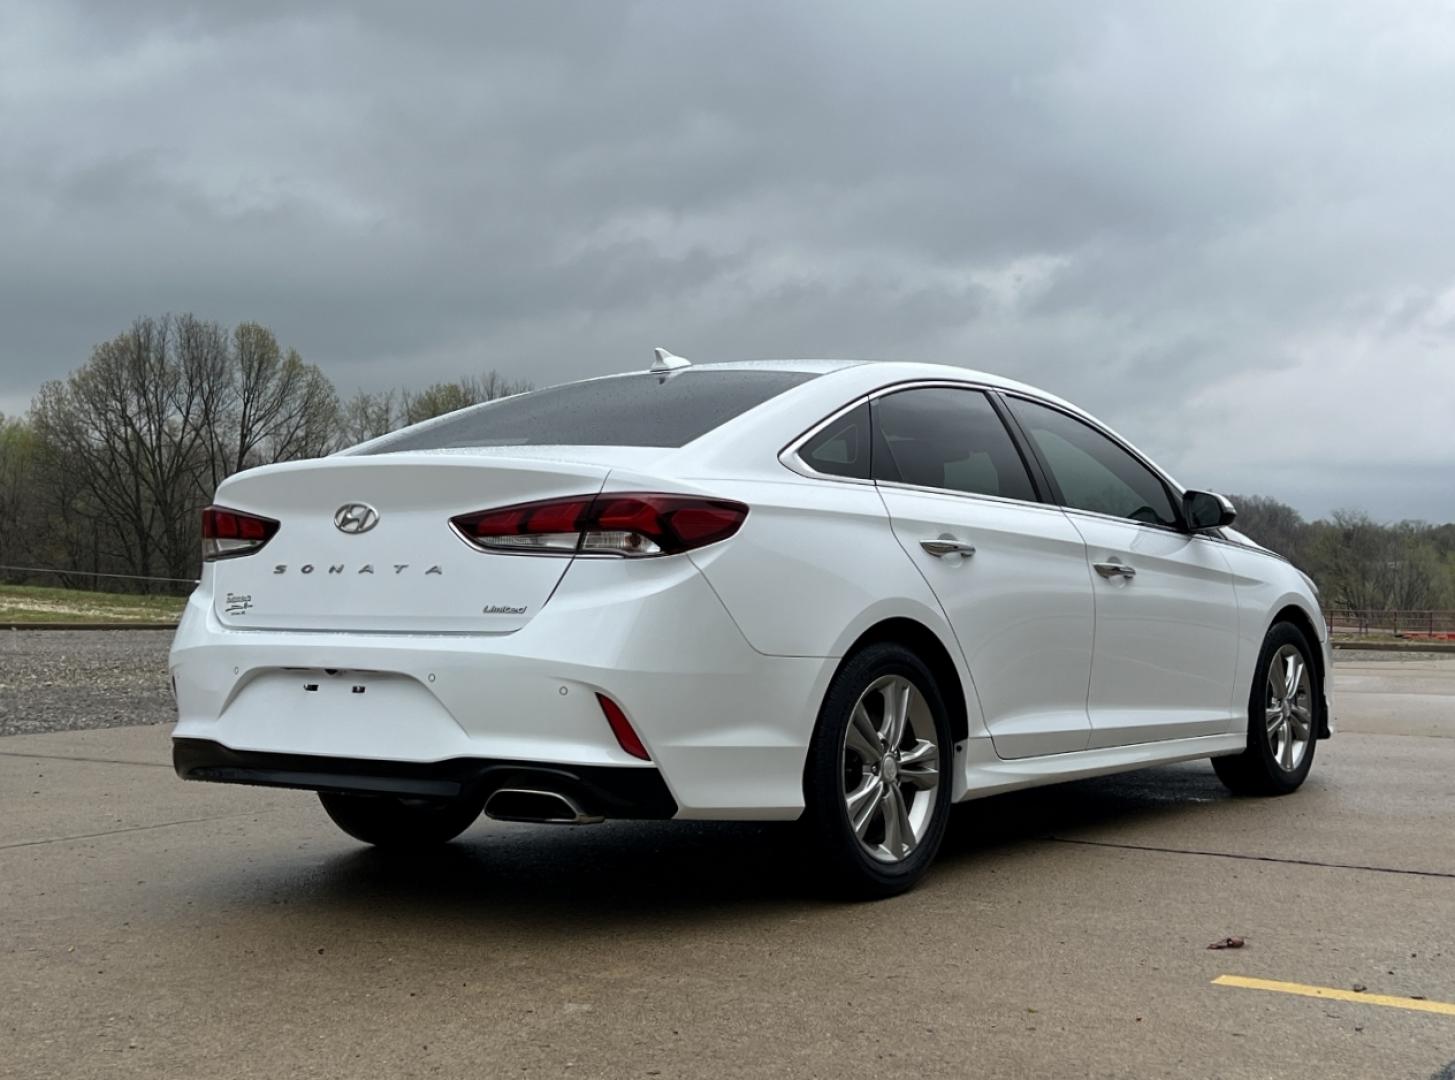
<point>1207,510</point>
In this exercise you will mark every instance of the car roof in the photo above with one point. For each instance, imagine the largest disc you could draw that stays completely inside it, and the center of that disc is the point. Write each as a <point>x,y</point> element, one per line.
<point>840,381</point>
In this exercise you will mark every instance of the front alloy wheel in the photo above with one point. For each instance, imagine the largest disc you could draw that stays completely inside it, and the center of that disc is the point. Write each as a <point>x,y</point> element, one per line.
<point>1289,710</point>
<point>1282,719</point>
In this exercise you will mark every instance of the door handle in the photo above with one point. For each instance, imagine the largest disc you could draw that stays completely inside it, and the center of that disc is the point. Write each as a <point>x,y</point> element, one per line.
<point>1114,569</point>
<point>945,544</point>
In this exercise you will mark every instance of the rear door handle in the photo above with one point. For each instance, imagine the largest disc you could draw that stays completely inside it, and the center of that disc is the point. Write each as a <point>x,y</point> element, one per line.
<point>1114,569</point>
<point>945,544</point>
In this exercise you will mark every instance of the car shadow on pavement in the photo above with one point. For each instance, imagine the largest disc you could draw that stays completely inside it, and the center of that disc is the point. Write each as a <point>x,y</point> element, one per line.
<point>621,873</point>
<point>1061,809</point>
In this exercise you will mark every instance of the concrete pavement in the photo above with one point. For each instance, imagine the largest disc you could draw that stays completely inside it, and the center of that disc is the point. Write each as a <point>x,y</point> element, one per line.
<point>154,928</point>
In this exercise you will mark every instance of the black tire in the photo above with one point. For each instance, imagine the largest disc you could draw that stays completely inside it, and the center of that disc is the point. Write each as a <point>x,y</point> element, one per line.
<point>388,821</point>
<point>1256,771</point>
<point>849,869</point>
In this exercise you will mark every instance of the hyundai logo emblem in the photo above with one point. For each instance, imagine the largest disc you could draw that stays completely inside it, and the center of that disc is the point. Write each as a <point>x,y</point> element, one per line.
<point>355,518</point>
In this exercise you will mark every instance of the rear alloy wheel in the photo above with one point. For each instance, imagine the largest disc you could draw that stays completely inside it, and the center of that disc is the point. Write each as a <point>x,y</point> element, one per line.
<point>1282,719</point>
<point>877,796</point>
<point>390,821</point>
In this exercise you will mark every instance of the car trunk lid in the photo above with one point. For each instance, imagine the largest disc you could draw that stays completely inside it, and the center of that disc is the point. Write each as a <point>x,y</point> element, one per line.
<point>365,544</point>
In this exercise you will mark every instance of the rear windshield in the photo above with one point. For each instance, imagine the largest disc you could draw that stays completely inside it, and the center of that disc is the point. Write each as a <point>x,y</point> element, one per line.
<point>629,410</point>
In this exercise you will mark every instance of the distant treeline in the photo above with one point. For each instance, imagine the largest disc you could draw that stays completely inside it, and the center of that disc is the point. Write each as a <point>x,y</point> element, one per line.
<point>108,470</point>
<point>1355,561</point>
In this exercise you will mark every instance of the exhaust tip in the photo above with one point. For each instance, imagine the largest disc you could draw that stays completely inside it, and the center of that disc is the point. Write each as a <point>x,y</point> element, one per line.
<point>539,807</point>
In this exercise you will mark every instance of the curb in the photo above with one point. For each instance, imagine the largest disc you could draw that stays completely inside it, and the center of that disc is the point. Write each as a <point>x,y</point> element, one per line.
<point>88,626</point>
<point>1391,646</point>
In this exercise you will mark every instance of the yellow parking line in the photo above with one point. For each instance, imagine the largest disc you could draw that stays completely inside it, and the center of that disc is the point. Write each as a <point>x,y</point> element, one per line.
<point>1444,1008</point>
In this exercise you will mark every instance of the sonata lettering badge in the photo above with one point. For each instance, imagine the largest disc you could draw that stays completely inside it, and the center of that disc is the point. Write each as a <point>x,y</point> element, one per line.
<point>342,568</point>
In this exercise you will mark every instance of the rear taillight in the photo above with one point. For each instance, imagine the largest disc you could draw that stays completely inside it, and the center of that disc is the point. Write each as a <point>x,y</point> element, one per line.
<point>632,524</point>
<point>229,533</point>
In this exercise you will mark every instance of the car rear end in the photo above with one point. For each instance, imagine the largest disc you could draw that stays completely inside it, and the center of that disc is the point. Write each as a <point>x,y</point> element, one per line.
<point>477,606</point>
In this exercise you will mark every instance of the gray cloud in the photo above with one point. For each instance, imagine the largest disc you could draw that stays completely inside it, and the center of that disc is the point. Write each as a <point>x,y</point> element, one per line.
<point>1214,225</point>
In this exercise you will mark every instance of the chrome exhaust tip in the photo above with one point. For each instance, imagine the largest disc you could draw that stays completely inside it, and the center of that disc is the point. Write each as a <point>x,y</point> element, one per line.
<point>539,807</point>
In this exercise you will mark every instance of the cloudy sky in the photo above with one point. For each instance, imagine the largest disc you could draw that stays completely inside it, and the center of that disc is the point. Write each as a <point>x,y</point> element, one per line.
<point>1226,228</point>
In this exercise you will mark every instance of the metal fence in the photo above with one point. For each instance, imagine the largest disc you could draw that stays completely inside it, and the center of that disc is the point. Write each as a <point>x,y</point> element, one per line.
<point>1432,625</point>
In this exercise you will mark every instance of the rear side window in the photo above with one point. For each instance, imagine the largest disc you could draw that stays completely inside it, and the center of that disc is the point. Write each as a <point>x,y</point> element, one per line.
<point>940,437</point>
<point>629,410</point>
<point>842,447</point>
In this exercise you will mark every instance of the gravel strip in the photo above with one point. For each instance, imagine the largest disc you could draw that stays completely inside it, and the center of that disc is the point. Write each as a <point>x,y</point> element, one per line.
<point>67,680</point>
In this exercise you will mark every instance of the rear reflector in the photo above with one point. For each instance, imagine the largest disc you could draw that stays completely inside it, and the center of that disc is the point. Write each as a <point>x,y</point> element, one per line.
<point>229,533</point>
<point>632,524</point>
<point>621,727</point>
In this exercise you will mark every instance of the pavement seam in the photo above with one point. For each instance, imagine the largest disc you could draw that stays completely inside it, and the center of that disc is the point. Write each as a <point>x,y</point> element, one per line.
<point>1255,858</point>
<point>91,760</point>
<point>128,829</point>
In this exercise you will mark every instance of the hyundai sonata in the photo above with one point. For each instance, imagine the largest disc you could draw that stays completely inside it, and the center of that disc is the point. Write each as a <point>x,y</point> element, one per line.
<point>847,593</point>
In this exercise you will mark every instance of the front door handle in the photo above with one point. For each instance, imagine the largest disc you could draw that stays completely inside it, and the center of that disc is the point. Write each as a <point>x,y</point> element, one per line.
<point>1114,569</point>
<point>945,544</point>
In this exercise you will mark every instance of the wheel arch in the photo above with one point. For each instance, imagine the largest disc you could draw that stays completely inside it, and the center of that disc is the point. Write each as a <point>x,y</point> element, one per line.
<point>925,644</point>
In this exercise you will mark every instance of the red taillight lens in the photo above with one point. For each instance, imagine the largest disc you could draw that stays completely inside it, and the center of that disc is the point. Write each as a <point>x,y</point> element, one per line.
<point>621,727</point>
<point>228,533</point>
<point>629,524</point>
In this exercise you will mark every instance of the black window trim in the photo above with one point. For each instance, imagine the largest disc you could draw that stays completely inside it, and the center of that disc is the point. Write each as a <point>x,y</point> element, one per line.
<point>1039,490</point>
<point>1049,498</point>
<point>1173,490</point>
<point>790,459</point>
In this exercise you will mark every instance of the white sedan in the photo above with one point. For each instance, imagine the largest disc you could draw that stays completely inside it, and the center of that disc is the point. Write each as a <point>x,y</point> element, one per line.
<point>848,593</point>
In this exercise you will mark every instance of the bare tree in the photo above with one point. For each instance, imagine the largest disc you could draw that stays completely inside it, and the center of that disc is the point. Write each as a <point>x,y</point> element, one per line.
<point>127,422</point>
<point>271,406</point>
<point>206,364</point>
<point>158,417</point>
<point>367,416</point>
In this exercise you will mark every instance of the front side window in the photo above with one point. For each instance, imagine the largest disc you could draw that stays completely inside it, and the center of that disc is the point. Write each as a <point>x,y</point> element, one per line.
<point>1092,471</point>
<point>941,437</point>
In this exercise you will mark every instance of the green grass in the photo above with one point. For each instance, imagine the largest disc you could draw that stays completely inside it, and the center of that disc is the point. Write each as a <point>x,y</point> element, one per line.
<point>37,604</point>
<point>1386,639</point>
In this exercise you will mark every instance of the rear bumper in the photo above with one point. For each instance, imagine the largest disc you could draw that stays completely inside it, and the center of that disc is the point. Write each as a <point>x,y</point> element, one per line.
<point>604,790</point>
<point>726,727</point>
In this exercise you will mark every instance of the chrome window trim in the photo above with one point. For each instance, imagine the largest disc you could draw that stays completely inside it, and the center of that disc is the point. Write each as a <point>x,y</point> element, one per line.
<point>1072,511</point>
<point>1097,426</point>
<point>921,489</point>
<point>789,458</point>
